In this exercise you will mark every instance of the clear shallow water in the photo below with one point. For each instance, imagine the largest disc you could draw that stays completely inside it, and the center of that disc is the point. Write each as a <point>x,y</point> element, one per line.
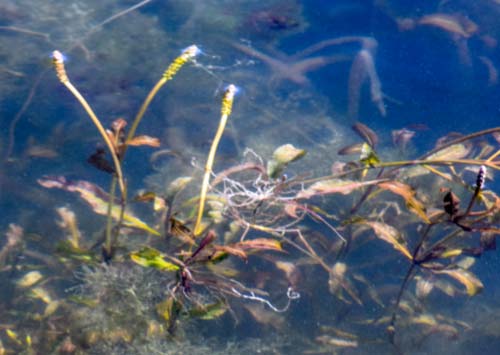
<point>437,75</point>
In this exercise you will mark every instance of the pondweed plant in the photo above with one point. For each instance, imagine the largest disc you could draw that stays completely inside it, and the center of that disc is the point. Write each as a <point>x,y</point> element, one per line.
<point>300,226</point>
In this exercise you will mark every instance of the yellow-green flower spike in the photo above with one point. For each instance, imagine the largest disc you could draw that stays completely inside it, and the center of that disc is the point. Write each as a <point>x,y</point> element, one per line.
<point>227,100</point>
<point>187,54</point>
<point>58,61</point>
<point>226,107</point>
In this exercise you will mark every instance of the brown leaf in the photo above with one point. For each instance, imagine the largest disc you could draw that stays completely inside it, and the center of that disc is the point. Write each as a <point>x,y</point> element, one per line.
<point>232,250</point>
<point>351,149</point>
<point>97,199</point>
<point>472,284</point>
<point>408,194</point>
<point>390,235</point>
<point>451,204</point>
<point>118,125</point>
<point>260,244</point>
<point>98,160</point>
<point>144,140</point>
<point>366,133</point>
<point>333,186</point>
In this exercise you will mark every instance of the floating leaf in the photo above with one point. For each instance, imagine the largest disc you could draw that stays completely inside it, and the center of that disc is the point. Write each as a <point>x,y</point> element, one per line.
<point>282,156</point>
<point>97,199</point>
<point>144,140</point>
<point>150,257</point>
<point>408,194</point>
<point>333,186</point>
<point>472,284</point>
<point>390,235</point>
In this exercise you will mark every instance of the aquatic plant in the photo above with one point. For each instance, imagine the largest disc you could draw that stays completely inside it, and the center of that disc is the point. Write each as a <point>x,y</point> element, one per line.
<point>220,243</point>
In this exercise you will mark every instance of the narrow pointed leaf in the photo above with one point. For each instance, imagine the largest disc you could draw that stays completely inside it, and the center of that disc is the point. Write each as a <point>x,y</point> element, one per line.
<point>150,257</point>
<point>408,194</point>
<point>260,244</point>
<point>333,186</point>
<point>390,235</point>
<point>144,140</point>
<point>97,199</point>
<point>472,284</point>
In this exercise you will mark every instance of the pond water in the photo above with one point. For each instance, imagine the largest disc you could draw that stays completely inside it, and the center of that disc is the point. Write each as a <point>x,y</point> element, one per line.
<point>351,206</point>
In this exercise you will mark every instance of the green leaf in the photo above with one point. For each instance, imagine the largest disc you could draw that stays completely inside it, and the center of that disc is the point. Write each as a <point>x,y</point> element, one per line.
<point>282,156</point>
<point>169,310</point>
<point>209,312</point>
<point>150,257</point>
<point>368,156</point>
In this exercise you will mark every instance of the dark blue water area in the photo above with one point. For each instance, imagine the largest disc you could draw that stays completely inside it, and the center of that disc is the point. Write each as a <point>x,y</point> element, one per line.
<point>423,75</point>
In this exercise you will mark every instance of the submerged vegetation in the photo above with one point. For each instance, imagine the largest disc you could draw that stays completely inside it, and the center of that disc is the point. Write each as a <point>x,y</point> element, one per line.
<point>198,255</point>
<point>356,250</point>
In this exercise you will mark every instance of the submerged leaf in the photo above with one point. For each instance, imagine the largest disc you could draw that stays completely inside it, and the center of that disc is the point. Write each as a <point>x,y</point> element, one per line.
<point>177,186</point>
<point>168,310</point>
<point>209,312</point>
<point>390,235</point>
<point>29,279</point>
<point>333,186</point>
<point>227,249</point>
<point>455,151</point>
<point>282,156</point>
<point>144,140</point>
<point>366,133</point>
<point>472,284</point>
<point>337,342</point>
<point>260,244</point>
<point>150,257</point>
<point>408,194</point>
<point>338,282</point>
<point>97,199</point>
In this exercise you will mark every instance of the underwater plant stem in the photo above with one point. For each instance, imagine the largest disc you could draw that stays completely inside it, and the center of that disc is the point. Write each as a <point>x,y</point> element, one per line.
<point>108,244</point>
<point>187,54</point>
<point>143,109</point>
<point>58,61</point>
<point>226,107</point>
